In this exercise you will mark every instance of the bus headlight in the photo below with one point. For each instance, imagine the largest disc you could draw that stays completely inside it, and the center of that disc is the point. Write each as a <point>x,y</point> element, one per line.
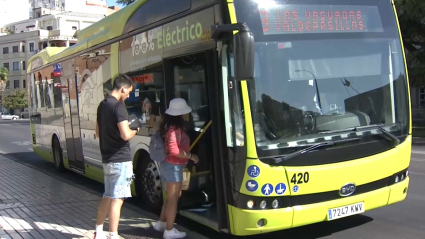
<point>250,204</point>
<point>275,204</point>
<point>396,179</point>
<point>263,204</point>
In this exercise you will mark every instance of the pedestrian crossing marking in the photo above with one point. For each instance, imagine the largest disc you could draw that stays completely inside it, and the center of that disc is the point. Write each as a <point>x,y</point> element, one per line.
<point>22,143</point>
<point>418,160</point>
<point>418,152</point>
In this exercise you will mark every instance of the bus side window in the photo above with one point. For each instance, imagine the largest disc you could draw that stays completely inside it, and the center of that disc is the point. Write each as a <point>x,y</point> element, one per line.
<point>141,60</point>
<point>147,100</point>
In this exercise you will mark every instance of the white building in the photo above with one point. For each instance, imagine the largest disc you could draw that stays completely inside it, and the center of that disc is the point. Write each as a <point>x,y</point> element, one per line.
<point>41,7</point>
<point>27,37</point>
<point>9,12</point>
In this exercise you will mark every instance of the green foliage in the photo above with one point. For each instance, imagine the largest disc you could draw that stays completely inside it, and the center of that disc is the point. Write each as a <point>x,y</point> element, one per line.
<point>411,14</point>
<point>17,100</point>
<point>4,74</point>
<point>4,77</point>
<point>125,2</point>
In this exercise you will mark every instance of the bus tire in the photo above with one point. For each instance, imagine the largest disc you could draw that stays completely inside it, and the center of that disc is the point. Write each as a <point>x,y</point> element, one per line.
<point>57,155</point>
<point>148,182</point>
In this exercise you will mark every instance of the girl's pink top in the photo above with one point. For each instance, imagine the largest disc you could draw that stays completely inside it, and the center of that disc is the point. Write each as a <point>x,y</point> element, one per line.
<point>176,140</point>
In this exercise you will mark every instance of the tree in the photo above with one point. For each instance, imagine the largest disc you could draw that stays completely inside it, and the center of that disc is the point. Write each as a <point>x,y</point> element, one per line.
<point>17,100</point>
<point>411,14</point>
<point>4,77</point>
<point>125,2</point>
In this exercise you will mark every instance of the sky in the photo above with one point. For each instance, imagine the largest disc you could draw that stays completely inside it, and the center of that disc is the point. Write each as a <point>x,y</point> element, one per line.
<point>111,2</point>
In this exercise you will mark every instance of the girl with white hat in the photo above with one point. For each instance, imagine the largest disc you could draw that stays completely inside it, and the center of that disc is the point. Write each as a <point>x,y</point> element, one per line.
<point>177,144</point>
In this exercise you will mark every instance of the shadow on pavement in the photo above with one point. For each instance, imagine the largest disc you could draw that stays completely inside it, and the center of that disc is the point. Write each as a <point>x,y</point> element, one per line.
<point>318,230</point>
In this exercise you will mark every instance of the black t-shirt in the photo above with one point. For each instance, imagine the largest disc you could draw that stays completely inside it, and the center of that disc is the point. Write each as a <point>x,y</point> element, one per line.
<point>112,147</point>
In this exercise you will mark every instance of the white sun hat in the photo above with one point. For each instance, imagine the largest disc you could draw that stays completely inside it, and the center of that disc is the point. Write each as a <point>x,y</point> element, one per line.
<point>178,106</point>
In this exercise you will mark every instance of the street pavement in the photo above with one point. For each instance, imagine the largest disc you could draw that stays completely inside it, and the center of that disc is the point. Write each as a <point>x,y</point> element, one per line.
<point>38,202</point>
<point>43,201</point>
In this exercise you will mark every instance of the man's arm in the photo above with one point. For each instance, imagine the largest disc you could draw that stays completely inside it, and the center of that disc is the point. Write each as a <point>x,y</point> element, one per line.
<point>121,115</point>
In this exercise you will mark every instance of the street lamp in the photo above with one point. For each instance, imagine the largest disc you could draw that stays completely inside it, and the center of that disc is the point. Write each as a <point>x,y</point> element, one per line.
<point>317,88</point>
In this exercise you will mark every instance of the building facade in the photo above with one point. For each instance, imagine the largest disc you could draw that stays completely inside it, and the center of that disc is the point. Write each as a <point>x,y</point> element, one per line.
<point>26,38</point>
<point>41,7</point>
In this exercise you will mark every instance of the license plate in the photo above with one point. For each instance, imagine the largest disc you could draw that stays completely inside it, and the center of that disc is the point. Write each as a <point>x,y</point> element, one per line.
<point>345,211</point>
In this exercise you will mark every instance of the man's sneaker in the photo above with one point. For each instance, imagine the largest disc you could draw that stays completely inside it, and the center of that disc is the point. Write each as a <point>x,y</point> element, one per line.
<point>99,236</point>
<point>173,233</point>
<point>160,226</point>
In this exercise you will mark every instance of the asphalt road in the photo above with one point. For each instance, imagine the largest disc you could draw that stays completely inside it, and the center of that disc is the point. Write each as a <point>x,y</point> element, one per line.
<point>402,220</point>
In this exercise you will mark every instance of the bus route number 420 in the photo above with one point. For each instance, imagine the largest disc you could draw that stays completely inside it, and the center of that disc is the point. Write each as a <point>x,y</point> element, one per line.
<point>345,211</point>
<point>300,178</point>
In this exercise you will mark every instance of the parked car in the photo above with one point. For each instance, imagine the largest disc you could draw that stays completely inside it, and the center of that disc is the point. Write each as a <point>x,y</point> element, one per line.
<point>7,116</point>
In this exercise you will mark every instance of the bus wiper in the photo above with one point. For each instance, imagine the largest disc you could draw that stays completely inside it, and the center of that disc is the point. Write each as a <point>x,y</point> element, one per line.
<point>279,159</point>
<point>391,137</point>
<point>303,151</point>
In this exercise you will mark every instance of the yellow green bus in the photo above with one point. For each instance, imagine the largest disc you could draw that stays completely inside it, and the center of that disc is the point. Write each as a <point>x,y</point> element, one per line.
<point>301,109</point>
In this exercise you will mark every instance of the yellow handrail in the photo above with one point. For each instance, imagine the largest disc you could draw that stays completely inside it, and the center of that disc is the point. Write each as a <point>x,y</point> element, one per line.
<point>196,141</point>
<point>200,135</point>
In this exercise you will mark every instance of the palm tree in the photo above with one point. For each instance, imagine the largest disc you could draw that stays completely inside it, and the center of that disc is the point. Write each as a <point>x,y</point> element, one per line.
<point>4,77</point>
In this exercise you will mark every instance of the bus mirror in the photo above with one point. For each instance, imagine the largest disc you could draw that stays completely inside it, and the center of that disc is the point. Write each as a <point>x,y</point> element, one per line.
<point>243,45</point>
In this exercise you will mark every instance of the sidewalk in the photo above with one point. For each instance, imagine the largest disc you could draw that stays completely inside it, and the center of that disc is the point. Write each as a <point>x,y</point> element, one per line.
<point>36,205</point>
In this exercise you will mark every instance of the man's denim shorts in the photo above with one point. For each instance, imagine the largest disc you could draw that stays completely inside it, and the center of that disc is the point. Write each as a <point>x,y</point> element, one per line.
<point>118,178</point>
<point>171,173</point>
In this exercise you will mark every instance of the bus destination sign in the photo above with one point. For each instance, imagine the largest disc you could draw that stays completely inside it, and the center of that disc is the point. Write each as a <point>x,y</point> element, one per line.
<point>295,19</point>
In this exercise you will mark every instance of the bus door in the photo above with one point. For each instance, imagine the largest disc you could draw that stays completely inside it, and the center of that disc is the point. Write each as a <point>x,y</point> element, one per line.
<point>72,123</point>
<point>189,77</point>
<point>186,78</point>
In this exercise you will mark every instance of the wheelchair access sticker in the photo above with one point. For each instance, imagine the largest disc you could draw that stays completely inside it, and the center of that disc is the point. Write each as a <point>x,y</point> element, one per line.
<point>253,171</point>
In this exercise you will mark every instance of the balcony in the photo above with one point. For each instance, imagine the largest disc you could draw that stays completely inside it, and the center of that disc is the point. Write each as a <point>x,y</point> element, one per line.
<point>14,56</point>
<point>62,34</point>
<point>18,37</point>
<point>17,73</point>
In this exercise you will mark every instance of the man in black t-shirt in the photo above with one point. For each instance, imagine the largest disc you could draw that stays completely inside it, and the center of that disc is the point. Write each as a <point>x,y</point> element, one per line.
<point>113,132</point>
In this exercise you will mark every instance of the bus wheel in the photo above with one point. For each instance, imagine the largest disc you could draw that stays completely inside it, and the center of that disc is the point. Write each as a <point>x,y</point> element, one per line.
<point>148,184</point>
<point>57,155</point>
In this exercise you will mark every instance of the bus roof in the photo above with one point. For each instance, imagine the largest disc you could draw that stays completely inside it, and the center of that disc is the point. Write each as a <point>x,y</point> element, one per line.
<point>108,28</point>
<point>45,56</point>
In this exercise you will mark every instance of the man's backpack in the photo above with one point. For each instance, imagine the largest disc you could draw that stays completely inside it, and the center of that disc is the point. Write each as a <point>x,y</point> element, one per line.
<point>157,148</point>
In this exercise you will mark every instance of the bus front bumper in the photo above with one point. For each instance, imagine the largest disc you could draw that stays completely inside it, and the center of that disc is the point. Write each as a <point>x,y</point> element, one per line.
<point>251,222</point>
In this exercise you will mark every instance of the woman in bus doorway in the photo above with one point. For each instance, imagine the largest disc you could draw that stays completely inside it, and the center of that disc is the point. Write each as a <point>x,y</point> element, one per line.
<point>177,146</point>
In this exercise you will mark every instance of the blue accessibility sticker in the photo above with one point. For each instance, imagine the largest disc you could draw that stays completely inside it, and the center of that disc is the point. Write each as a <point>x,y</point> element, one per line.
<point>295,188</point>
<point>280,189</point>
<point>253,171</point>
<point>267,189</point>
<point>251,186</point>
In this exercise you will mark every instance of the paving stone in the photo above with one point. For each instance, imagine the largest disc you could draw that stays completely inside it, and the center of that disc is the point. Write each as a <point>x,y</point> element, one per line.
<point>36,205</point>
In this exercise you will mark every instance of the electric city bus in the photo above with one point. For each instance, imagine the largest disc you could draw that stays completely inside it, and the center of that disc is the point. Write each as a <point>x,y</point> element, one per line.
<point>301,109</point>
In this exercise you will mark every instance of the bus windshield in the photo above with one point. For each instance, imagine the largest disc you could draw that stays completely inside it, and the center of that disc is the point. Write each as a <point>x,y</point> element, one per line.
<point>322,67</point>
